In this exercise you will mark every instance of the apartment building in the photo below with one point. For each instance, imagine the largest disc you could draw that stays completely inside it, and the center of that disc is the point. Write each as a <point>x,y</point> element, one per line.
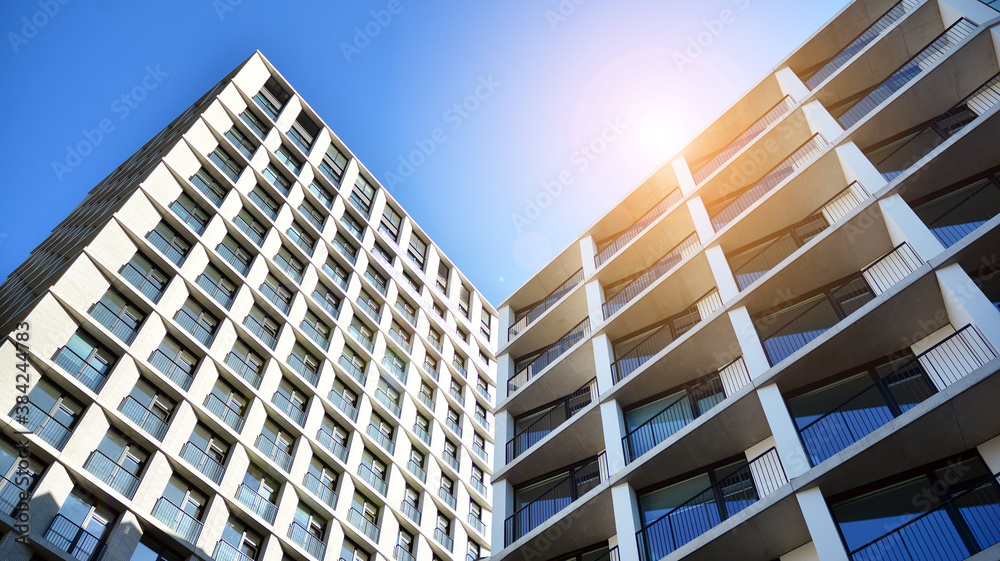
<point>240,347</point>
<point>783,343</point>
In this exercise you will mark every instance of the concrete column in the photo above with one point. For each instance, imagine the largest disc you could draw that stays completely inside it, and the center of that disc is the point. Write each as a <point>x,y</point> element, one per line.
<point>791,85</point>
<point>905,226</point>
<point>820,120</point>
<point>503,506</point>
<point>966,303</point>
<point>753,351</point>
<point>684,177</point>
<point>505,367</point>
<point>823,530</point>
<point>504,423</point>
<point>505,320</point>
<point>613,422</point>
<point>702,223</point>
<point>857,167</point>
<point>786,438</point>
<point>723,275</point>
<point>588,249</point>
<point>595,301</point>
<point>990,451</point>
<point>123,538</point>
<point>604,355</point>
<point>627,518</point>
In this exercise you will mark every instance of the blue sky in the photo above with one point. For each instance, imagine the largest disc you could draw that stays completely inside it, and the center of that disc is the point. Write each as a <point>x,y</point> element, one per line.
<point>505,97</point>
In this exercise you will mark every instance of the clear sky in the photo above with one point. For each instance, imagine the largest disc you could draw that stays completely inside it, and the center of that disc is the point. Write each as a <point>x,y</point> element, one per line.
<point>503,97</point>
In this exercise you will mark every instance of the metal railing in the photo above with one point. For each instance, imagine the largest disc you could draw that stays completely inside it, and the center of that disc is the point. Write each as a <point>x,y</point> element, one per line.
<point>555,417</point>
<point>229,256</point>
<point>303,241</point>
<point>209,188</point>
<point>201,461</point>
<point>283,404</point>
<point>188,217</point>
<point>674,328</point>
<point>384,440</point>
<point>970,212</point>
<point>255,326</point>
<point>78,367</point>
<point>724,213</point>
<point>231,417</point>
<point>388,402</point>
<point>905,387</point>
<point>243,370</point>
<point>540,307</point>
<point>140,415</point>
<point>110,472</point>
<point>71,538</point>
<point>262,205</point>
<point>330,308</point>
<point>222,296</point>
<point>537,362</point>
<point>397,371</point>
<point>313,218</point>
<point>368,475</point>
<point>299,535</point>
<point>10,496</point>
<point>44,426</point>
<point>142,282</point>
<point>637,227</point>
<point>169,250</point>
<point>286,266</point>
<point>354,370</point>
<point>180,375</point>
<point>685,409</point>
<point>324,492</point>
<point>940,129</point>
<point>958,528</point>
<point>870,34</point>
<point>350,411</point>
<point>241,142</point>
<point>326,440</point>
<point>342,249</point>
<point>909,70</point>
<point>366,526</point>
<point>646,278</point>
<point>270,450</point>
<point>772,115</point>
<point>173,517</point>
<point>728,496</point>
<point>119,326</point>
<point>256,503</point>
<point>298,365</point>
<point>576,483</point>
<point>225,551</point>
<point>196,328</point>
<point>314,334</point>
<point>273,297</point>
<point>248,229</point>
<point>227,165</point>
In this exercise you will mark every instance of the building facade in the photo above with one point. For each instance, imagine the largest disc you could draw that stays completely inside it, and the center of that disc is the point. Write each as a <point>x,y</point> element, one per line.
<point>783,343</point>
<point>239,347</point>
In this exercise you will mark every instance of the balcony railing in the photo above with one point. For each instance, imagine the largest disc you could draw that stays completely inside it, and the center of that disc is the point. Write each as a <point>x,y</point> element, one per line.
<point>256,503</point>
<point>142,282</point>
<point>286,266</point>
<point>941,128</point>
<point>271,451</point>
<point>896,393</point>
<point>894,14</point>
<point>356,334</point>
<point>388,402</point>
<point>369,309</point>
<point>248,229</point>
<point>444,539</point>
<point>324,492</point>
<point>273,297</point>
<point>283,404</point>
<point>460,368</point>
<point>298,364</point>
<point>478,485</point>
<point>249,373</point>
<point>226,414</point>
<point>197,329</point>
<point>227,164</point>
<point>71,538</point>
<point>823,311</point>
<point>313,545</point>
<point>959,528</point>
<point>685,409</point>
<point>422,433</point>
<point>635,229</point>
<point>744,138</point>
<point>675,327</point>
<point>408,315</point>
<point>305,244</point>
<point>182,375</point>
<point>576,483</point>
<point>230,257</point>
<point>255,326</point>
<point>383,440</point>
<point>448,498</point>
<point>341,403</point>
<point>417,471</point>
<point>527,369</point>
<point>481,419</point>
<point>366,526</point>
<point>936,50</point>
<point>187,217</point>
<point>171,515</point>
<point>354,370</point>
<point>201,461</point>
<point>725,212</point>
<point>169,250</point>
<point>555,417</point>
<point>454,426</point>
<point>78,367</point>
<point>326,440</point>
<point>125,328</point>
<point>432,371</point>
<point>480,451</point>
<point>728,496</point>
<point>222,296</point>
<point>966,211</point>
<point>452,461</point>
<point>477,524</point>
<point>140,415</point>
<point>330,308</point>
<point>346,253</point>
<point>225,551</point>
<point>44,426</point>
<point>10,496</point>
<point>646,278</point>
<point>368,475</point>
<point>397,371</point>
<point>269,211</point>
<point>210,188</point>
<point>400,554</point>
<point>549,301</point>
<point>108,471</point>
<point>401,340</point>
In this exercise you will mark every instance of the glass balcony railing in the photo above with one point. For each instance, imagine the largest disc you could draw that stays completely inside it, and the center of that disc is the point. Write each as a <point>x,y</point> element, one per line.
<point>383,440</point>
<point>417,470</point>
<point>111,473</point>
<point>444,539</point>
<point>196,223</point>
<point>208,187</point>
<point>241,267</point>
<point>253,234</point>
<point>140,415</point>
<point>79,368</point>
<point>326,304</point>
<point>263,205</point>
<point>255,326</point>
<point>896,393</point>
<point>354,370</point>
<point>308,372</point>
<point>282,305</point>
<point>447,497</point>
<point>411,511</point>
<point>552,419</point>
<point>175,254</point>
<point>929,55</point>
<point>120,324</point>
<point>398,371</point>
<point>198,329</point>
<point>225,551</point>
<point>256,503</point>
<point>389,403</point>
<point>527,368</point>
<point>549,301</point>
<point>727,497</point>
<point>422,433</point>
<point>956,215</point>
<point>71,538</point>
<point>173,517</point>
<point>633,231</point>
<point>283,404</point>
<point>294,273</point>
<point>618,298</point>
<point>44,426</point>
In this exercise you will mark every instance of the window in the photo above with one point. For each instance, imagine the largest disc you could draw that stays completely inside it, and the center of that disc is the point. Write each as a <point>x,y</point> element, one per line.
<point>237,536</point>
<point>390,394</point>
<point>276,444</point>
<point>349,396</point>
<point>401,336</point>
<point>484,328</point>
<point>405,541</point>
<point>377,466</point>
<point>391,222</point>
<point>272,97</point>
<point>197,321</point>
<point>434,336</point>
<point>289,264</point>
<point>149,549</point>
<point>206,452</point>
<point>463,300</point>
<point>362,196</point>
<point>407,310</point>
<point>235,254</point>
<point>286,157</point>
<point>145,276</point>
<point>364,334</point>
<point>316,329</point>
<point>262,325</point>
<point>345,248</point>
<point>117,314</point>
<point>336,272</point>
<point>303,132</point>
<point>148,407</point>
<point>369,304</point>
<point>291,401</point>
<point>321,480</point>
<point>298,235</point>
<point>351,552</point>
<point>324,196</point>
<point>377,280</point>
<point>417,251</point>
<point>81,512</point>
<point>464,336</point>
<point>86,360</point>
<point>454,421</point>
<point>169,242</point>
<point>20,473</point>
<point>314,216</point>
<point>277,179</point>
<point>333,165</point>
<point>241,142</point>
<point>208,186</point>
<point>226,162</point>
<point>227,404</point>
<point>442,277</point>
<point>352,225</point>
<point>438,310</point>
<point>118,462</point>
<point>254,123</point>
<point>250,226</point>
<point>56,413</point>
<point>181,508</point>
<point>303,362</point>
<point>412,282</point>
<point>218,286</point>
